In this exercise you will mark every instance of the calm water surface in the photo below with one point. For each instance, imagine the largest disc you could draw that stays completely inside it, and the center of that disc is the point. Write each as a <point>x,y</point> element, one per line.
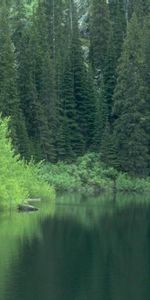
<point>86,250</point>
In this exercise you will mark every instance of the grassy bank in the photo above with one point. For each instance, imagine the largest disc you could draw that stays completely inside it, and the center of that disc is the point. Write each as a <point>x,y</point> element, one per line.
<point>18,180</point>
<point>89,174</point>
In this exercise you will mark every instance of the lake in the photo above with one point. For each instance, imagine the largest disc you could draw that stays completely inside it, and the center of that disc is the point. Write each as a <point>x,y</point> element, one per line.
<point>82,248</point>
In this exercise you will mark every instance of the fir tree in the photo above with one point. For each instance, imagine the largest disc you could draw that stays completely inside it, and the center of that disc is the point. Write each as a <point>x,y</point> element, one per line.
<point>102,62</point>
<point>84,96</point>
<point>140,7</point>
<point>9,100</point>
<point>118,18</point>
<point>146,77</point>
<point>45,85</point>
<point>129,105</point>
<point>108,148</point>
<point>101,115</point>
<point>71,131</point>
<point>118,30</point>
<point>100,29</point>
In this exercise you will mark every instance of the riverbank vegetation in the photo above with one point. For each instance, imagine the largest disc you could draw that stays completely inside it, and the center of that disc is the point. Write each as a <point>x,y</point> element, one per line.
<point>89,93</point>
<point>18,180</point>
<point>88,174</point>
<point>78,97</point>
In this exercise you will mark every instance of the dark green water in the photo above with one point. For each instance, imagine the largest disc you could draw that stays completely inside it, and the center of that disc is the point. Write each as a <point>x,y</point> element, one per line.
<point>88,250</point>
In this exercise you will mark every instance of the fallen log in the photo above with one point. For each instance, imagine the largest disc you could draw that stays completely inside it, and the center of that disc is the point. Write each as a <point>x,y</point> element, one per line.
<point>31,200</point>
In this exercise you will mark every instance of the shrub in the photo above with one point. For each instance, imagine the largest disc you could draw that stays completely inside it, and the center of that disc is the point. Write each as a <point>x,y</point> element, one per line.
<point>18,180</point>
<point>89,173</point>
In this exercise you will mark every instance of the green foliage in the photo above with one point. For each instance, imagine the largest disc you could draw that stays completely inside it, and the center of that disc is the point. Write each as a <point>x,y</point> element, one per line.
<point>140,7</point>
<point>36,187</point>
<point>60,176</point>
<point>9,99</point>
<point>12,190</point>
<point>100,29</point>
<point>130,98</point>
<point>88,174</point>
<point>19,180</point>
<point>63,103</point>
<point>132,184</point>
<point>108,148</point>
<point>111,173</point>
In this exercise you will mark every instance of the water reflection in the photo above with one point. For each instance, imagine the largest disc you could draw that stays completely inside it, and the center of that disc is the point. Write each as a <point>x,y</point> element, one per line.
<point>16,229</point>
<point>107,258</point>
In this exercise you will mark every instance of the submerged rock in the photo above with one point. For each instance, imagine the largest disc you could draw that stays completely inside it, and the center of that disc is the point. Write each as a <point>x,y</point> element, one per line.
<point>26,208</point>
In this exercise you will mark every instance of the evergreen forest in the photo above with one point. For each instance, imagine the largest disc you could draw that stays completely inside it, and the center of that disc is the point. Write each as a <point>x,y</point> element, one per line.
<point>75,79</point>
<point>74,149</point>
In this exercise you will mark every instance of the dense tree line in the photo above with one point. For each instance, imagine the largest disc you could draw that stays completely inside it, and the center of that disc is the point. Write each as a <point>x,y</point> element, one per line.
<point>61,105</point>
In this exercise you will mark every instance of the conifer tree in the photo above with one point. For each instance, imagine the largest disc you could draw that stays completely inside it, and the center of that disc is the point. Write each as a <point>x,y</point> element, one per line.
<point>101,115</point>
<point>35,81</point>
<point>118,18</point>
<point>71,131</point>
<point>100,29</point>
<point>129,105</point>
<point>83,91</point>
<point>45,85</point>
<point>54,28</point>
<point>108,148</point>
<point>146,77</point>
<point>117,35</point>
<point>77,105</point>
<point>9,100</point>
<point>140,7</point>
<point>102,62</point>
<point>24,49</point>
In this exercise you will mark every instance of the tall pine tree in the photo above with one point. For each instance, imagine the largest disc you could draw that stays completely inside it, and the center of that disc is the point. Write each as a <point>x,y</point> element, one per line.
<point>9,99</point>
<point>129,105</point>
